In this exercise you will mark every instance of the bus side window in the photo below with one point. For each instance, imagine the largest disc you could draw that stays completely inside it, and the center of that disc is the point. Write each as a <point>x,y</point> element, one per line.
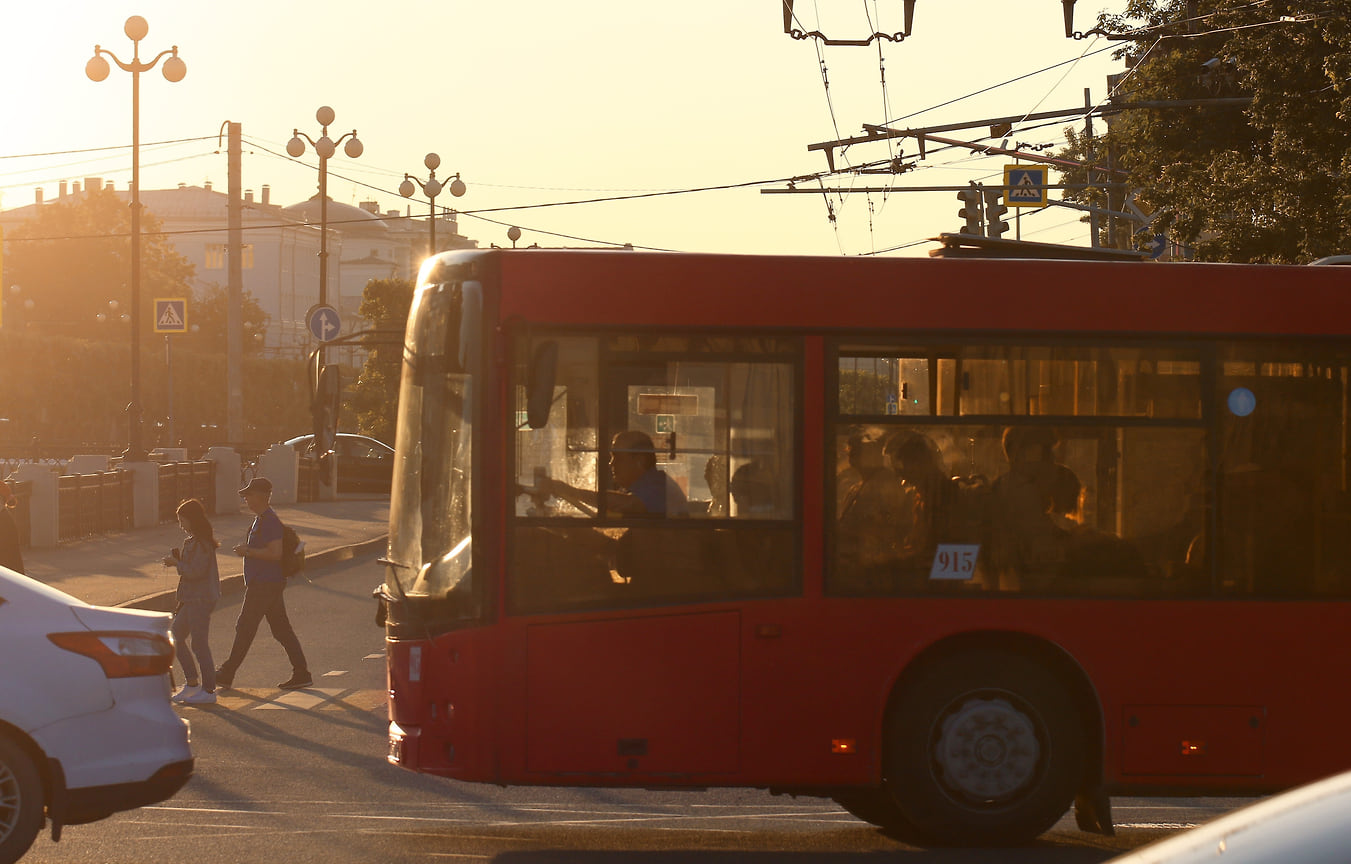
<point>1283,486</point>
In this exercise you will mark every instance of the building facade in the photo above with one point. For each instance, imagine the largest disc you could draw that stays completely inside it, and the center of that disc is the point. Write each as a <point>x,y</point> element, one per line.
<point>280,254</point>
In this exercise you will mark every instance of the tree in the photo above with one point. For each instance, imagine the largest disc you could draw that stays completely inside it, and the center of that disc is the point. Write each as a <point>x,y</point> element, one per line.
<point>375,397</point>
<point>74,256</point>
<point>66,376</point>
<point>208,319</point>
<point>1266,180</point>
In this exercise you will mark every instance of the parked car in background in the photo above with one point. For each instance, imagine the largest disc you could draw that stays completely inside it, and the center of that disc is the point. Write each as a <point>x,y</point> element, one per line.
<point>86,726</point>
<point>365,464</point>
<point>1307,825</point>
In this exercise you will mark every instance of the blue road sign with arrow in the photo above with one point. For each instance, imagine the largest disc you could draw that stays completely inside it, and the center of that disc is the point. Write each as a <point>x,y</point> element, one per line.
<point>323,322</point>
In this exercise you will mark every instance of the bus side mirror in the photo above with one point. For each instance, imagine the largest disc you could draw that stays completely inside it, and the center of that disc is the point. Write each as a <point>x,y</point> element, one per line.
<point>540,396</point>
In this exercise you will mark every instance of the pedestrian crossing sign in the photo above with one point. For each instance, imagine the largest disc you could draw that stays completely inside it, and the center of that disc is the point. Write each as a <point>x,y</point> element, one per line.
<point>1025,185</point>
<point>171,315</point>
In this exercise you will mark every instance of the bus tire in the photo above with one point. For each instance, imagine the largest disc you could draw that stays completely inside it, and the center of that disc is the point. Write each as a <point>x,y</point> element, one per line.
<point>984,749</point>
<point>21,801</point>
<point>877,807</point>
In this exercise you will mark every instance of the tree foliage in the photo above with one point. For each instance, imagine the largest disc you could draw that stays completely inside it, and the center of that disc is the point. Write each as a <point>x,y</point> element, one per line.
<point>74,257</point>
<point>66,377</point>
<point>71,394</point>
<point>208,319</point>
<point>1264,180</point>
<point>375,397</point>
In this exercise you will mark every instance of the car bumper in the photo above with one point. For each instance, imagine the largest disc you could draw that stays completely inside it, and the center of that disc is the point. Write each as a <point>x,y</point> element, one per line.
<point>91,803</point>
<point>124,745</point>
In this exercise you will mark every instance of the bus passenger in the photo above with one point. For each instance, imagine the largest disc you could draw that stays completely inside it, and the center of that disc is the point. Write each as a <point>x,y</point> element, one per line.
<point>1088,554</point>
<point>638,487</point>
<point>915,460</point>
<point>874,518</point>
<point>752,558</point>
<point>1026,545</point>
<point>752,488</point>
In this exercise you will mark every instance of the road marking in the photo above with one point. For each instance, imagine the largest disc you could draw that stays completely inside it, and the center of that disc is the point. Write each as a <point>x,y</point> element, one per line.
<point>335,673</point>
<point>309,699</point>
<point>379,656</point>
<point>220,810</point>
<point>1168,826</point>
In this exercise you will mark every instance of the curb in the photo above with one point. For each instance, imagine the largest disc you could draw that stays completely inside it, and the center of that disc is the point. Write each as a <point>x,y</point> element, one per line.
<point>165,601</point>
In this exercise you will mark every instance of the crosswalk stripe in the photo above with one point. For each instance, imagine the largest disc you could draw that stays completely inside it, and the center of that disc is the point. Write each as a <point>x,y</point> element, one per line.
<point>308,699</point>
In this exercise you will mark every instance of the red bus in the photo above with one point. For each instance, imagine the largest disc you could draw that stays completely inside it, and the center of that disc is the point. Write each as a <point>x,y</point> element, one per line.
<point>956,543</point>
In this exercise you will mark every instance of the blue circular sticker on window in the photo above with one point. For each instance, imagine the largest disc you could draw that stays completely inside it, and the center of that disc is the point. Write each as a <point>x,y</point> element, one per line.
<point>1242,401</point>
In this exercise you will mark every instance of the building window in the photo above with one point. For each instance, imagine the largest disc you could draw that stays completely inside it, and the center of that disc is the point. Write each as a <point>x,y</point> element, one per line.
<point>215,256</point>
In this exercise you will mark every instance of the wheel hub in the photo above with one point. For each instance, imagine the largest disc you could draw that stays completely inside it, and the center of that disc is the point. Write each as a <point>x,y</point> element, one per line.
<point>987,750</point>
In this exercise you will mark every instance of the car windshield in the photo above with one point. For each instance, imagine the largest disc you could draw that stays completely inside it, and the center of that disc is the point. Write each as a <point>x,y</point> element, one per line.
<point>429,547</point>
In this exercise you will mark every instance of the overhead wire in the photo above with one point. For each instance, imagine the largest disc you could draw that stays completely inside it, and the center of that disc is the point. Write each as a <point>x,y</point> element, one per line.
<point>876,27</point>
<point>831,215</point>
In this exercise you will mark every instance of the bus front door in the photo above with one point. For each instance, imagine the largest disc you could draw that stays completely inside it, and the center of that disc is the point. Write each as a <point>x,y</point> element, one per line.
<point>623,699</point>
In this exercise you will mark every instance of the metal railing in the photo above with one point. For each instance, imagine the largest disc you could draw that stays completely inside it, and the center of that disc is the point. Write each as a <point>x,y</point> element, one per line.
<point>89,504</point>
<point>102,502</point>
<point>307,479</point>
<point>179,481</point>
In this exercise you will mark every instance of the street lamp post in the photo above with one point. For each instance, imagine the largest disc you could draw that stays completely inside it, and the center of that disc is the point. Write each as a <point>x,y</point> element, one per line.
<point>169,389</point>
<point>325,147</point>
<point>97,69</point>
<point>431,187</point>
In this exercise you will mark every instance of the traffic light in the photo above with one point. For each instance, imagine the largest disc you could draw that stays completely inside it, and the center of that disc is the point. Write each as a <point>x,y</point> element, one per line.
<point>970,211</point>
<point>994,211</point>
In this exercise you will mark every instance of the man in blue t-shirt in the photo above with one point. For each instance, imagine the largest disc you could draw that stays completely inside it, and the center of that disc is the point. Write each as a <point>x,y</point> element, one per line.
<point>263,587</point>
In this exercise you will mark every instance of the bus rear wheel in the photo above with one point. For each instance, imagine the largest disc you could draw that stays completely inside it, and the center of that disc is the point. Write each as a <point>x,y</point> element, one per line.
<point>984,749</point>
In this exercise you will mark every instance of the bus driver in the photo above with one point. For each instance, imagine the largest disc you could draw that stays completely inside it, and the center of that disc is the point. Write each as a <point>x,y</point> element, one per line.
<point>638,486</point>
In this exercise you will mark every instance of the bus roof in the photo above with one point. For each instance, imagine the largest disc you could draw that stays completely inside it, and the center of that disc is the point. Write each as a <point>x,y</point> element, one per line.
<point>603,287</point>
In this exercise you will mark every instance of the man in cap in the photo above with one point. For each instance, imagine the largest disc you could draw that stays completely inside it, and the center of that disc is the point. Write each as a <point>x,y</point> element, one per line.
<point>263,586</point>
<point>11,555</point>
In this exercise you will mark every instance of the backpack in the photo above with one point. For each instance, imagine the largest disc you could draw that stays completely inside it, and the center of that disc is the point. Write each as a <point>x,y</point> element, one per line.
<point>292,552</point>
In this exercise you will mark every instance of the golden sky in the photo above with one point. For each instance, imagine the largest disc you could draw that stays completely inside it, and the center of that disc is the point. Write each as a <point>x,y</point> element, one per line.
<point>537,101</point>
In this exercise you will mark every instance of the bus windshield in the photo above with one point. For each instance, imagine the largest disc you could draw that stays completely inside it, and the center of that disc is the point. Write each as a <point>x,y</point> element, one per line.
<point>429,543</point>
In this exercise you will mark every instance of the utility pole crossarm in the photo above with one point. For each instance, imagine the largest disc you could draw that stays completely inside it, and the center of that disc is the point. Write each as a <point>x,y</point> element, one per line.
<point>993,150</point>
<point>923,133</point>
<point>882,133</point>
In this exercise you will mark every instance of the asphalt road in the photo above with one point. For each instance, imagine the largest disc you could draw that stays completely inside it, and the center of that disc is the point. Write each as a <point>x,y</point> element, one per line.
<point>301,777</point>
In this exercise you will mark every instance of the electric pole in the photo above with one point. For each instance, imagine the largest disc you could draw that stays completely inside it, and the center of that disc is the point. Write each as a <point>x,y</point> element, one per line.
<point>234,316</point>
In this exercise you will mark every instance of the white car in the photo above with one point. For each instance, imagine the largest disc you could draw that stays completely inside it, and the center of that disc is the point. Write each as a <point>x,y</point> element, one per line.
<point>1307,825</point>
<point>86,726</point>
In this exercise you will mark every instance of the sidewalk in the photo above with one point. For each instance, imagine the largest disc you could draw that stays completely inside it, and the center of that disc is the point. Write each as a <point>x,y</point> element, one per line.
<point>124,569</point>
